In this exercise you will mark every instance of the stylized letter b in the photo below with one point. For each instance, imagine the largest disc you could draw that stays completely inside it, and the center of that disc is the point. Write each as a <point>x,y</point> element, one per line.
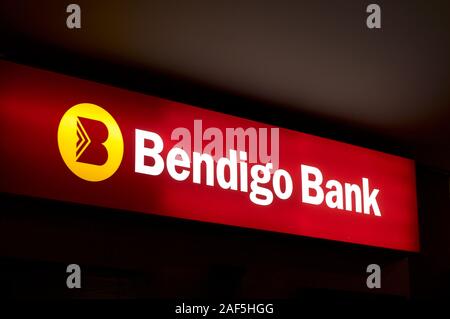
<point>91,136</point>
<point>90,142</point>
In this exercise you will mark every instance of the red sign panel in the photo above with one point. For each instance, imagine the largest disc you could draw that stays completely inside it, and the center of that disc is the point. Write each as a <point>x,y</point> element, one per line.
<point>74,140</point>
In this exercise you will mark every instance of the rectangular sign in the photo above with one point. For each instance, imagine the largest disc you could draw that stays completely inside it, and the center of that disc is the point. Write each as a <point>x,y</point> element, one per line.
<point>74,140</point>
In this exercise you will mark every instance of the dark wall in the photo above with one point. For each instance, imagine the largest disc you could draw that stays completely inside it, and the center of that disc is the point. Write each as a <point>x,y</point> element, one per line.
<point>430,270</point>
<point>125,254</point>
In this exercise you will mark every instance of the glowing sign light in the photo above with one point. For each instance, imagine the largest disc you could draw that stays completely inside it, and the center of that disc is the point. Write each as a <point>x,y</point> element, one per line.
<point>126,153</point>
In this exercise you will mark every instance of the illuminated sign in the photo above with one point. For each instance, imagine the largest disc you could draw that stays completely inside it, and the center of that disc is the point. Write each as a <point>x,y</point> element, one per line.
<point>78,141</point>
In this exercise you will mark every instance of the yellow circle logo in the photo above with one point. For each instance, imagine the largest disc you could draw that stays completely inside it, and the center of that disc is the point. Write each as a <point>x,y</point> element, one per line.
<point>90,142</point>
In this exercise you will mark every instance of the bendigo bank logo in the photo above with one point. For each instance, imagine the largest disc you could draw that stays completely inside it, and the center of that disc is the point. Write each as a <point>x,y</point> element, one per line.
<point>90,142</point>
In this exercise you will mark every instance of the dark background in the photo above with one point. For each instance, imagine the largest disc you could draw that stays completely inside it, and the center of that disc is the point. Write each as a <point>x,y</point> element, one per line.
<point>310,66</point>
